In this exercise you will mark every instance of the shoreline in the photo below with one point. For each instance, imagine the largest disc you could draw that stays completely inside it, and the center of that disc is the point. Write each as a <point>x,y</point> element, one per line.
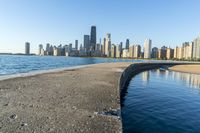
<point>192,69</point>
<point>48,71</point>
<point>53,70</point>
<point>38,72</point>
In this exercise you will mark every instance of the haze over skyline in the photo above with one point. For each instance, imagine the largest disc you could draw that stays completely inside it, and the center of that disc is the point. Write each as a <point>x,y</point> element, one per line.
<point>61,22</point>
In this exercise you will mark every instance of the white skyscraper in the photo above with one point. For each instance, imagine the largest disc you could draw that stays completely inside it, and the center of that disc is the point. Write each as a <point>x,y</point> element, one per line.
<point>108,45</point>
<point>196,48</point>
<point>147,48</point>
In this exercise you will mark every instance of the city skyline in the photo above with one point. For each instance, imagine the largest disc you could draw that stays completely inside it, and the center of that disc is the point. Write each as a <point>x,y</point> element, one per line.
<point>61,22</point>
<point>91,48</point>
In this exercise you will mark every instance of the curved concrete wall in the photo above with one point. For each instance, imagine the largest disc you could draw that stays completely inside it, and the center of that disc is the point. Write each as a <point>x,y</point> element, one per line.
<point>136,68</point>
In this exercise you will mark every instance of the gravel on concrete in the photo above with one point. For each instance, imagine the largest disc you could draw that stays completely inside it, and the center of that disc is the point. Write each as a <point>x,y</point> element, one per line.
<point>67,101</point>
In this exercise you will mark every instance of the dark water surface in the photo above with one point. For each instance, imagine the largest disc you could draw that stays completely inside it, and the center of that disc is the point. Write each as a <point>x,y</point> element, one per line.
<point>13,64</point>
<point>162,102</point>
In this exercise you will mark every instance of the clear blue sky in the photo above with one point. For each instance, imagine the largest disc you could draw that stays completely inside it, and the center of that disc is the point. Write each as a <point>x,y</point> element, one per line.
<point>166,22</point>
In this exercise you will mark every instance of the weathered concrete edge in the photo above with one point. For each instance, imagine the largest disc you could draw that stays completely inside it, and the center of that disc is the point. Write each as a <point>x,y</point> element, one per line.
<point>137,68</point>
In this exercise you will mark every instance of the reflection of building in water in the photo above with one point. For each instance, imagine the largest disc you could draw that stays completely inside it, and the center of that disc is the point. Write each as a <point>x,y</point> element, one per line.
<point>166,74</point>
<point>145,76</point>
<point>162,72</point>
<point>158,72</point>
<point>193,80</point>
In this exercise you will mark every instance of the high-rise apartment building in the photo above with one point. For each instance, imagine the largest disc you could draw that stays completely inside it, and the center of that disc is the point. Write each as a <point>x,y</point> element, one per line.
<point>47,47</point>
<point>184,48</point>
<point>125,53</point>
<point>40,49</point>
<point>27,48</point>
<point>196,48</point>
<point>179,53</point>
<point>137,51</point>
<point>154,53</point>
<point>103,46</point>
<point>131,51</point>
<point>147,48</point>
<point>70,47</point>
<point>108,45</point>
<point>162,52</point>
<point>56,51</point>
<point>118,51</point>
<point>189,50</point>
<point>169,53</point>
<point>176,52</point>
<point>113,51</point>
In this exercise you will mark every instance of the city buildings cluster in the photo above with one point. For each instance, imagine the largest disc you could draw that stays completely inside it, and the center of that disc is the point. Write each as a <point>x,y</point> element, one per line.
<point>105,48</point>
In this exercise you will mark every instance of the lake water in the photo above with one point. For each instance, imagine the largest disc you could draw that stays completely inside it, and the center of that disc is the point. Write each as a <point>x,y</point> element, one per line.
<point>160,101</point>
<point>21,64</point>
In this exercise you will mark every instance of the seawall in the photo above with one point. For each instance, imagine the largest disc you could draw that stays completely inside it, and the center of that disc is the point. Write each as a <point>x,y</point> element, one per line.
<point>137,68</point>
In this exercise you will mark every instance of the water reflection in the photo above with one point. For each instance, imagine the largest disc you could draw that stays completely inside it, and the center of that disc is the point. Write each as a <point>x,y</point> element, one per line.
<point>190,80</point>
<point>145,77</point>
<point>162,101</point>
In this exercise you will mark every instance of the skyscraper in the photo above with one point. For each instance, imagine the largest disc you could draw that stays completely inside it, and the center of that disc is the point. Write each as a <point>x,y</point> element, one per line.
<point>147,48</point>
<point>137,51</point>
<point>108,45</point>
<point>104,46</point>
<point>40,49</point>
<point>179,53</point>
<point>185,51</point>
<point>154,53</point>
<point>121,48</point>
<point>70,47</point>
<point>113,51</point>
<point>131,51</point>
<point>196,48</point>
<point>27,48</point>
<point>47,47</point>
<point>118,51</point>
<point>76,44</point>
<point>169,53</point>
<point>162,52</point>
<point>127,43</point>
<point>189,50</point>
<point>87,43</point>
<point>93,39</point>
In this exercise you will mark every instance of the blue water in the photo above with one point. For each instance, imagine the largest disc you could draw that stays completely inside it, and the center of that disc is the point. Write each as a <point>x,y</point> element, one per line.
<point>21,64</point>
<point>162,102</point>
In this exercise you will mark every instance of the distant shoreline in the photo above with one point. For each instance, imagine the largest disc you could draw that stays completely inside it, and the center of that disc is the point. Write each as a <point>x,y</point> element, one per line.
<point>150,59</point>
<point>193,69</point>
<point>53,70</point>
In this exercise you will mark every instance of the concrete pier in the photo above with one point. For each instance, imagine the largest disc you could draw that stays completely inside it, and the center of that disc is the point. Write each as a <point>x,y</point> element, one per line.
<point>67,101</point>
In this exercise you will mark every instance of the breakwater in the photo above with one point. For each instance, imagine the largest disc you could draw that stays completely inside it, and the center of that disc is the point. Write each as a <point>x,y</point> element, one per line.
<point>137,68</point>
